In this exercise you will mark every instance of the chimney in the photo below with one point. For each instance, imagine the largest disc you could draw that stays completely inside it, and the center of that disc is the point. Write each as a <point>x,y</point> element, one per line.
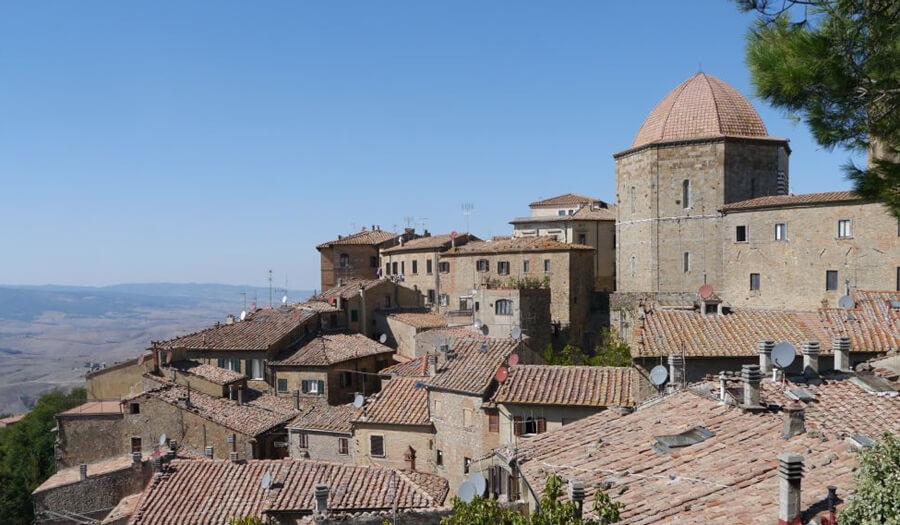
<point>811,358</point>
<point>576,494</point>
<point>229,319</point>
<point>321,499</point>
<point>790,474</point>
<point>240,395</point>
<point>751,376</point>
<point>136,458</point>
<point>676,370</point>
<point>841,348</point>
<point>723,382</point>
<point>794,421</point>
<point>208,452</point>
<point>82,471</point>
<point>296,400</point>
<point>173,445</point>
<point>410,457</point>
<point>233,457</point>
<point>765,357</point>
<point>432,365</point>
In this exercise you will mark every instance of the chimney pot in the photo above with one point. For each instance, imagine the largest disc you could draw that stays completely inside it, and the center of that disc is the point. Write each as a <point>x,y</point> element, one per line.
<point>136,457</point>
<point>208,452</point>
<point>410,457</point>
<point>811,358</point>
<point>723,382</point>
<point>82,471</point>
<point>576,494</point>
<point>233,457</point>
<point>321,499</point>
<point>432,364</point>
<point>790,474</point>
<point>794,422</point>
<point>841,348</point>
<point>751,377</point>
<point>765,356</point>
<point>676,370</point>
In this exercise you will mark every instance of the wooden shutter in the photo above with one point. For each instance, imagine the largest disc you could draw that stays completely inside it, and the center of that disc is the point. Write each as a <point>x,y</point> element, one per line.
<point>517,426</point>
<point>221,363</point>
<point>321,387</point>
<point>494,422</point>
<point>304,386</point>
<point>541,425</point>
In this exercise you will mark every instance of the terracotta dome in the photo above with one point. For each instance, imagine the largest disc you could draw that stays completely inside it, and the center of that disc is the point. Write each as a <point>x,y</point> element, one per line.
<point>702,106</point>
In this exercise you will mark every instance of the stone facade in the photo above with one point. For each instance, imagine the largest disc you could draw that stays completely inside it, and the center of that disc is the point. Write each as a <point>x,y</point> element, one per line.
<point>397,440</point>
<point>118,380</point>
<point>338,390</point>
<point>529,311</point>
<point>89,437</point>
<point>321,446</point>
<point>527,416</point>
<point>462,434</point>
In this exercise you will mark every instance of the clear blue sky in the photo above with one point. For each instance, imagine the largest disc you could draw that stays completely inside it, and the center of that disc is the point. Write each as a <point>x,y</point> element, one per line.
<point>209,141</point>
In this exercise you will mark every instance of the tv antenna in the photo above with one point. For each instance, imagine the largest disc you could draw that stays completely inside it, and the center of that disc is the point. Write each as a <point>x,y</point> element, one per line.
<point>422,222</point>
<point>409,220</point>
<point>467,208</point>
<point>270,288</point>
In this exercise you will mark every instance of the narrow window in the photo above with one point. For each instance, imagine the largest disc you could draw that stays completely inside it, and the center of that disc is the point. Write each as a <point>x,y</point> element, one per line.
<point>582,238</point>
<point>780,231</point>
<point>494,423</point>
<point>428,268</point>
<point>135,408</point>
<point>444,267</point>
<point>686,263</point>
<point>631,198</point>
<point>282,385</point>
<point>740,234</point>
<point>394,267</point>
<point>387,301</point>
<point>302,440</point>
<point>402,267</point>
<point>831,280</point>
<point>431,293</point>
<point>376,446</point>
<point>415,267</point>
<point>503,267</point>
<point>136,444</point>
<point>686,194</point>
<point>633,265</point>
<point>467,462</point>
<point>526,266</point>
<point>845,230</point>
<point>343,446</point>
<point>546,265</point>
<point>754,282</point>
<point>445,299</point>
<point>344,260</point>
<point>256,369</point>
<point>439,458</point>
<point>387,268</point>
<point>753,187</point>
<point>898,278</point>
<point>503,307</point>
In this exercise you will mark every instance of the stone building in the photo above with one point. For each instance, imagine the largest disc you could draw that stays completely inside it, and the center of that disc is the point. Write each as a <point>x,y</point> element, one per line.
<point>358,299</point>
<point>522,262</point>
<point>355,256</point>
<point>401,326</point>
<point>89,432</point>
<point>323,433</point>
<point>576,219</point>
<point>503,310</point>
<point>120,379</point>
<point>416,263</point>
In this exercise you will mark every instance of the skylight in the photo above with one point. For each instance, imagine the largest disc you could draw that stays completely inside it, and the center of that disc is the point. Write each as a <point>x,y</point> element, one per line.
<point>665,444</point>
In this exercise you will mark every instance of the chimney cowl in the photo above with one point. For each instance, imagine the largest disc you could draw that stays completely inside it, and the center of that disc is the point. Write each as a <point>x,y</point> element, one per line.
<point>790,475</point>
<point>208,452</point>
<point>136,457</point>
<point>321,498</point>
<point>751,377</point>
<point>410,457</point>
<point>841,349</point>
<point>576,494</point>
<point>765,356</point>
<point>432,364</point>
<point>233,457</point>
<point>811,358</point>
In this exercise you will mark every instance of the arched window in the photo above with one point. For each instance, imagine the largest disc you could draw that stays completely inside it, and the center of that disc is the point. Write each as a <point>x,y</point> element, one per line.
<point>686,194</point>
<point>344,260</point>
<point>503,307</point>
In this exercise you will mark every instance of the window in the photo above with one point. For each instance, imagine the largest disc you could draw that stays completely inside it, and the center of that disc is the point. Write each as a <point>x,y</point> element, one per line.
<point>633,265</point>
<point>282,385</point>
<point>754,282</point>
<point>503,307</point>
<point>354,316</point>
<point>428,268</point>
<point>135,444</point>
<point>780,231</point>
<point>753,187</point>
<point>373,261</point>
<point>898,278</point>
<point>256,369</point>
<point>831,280</point>
<point>387,268</point>
<point>482,265</point>
<point>561,213</point>
<point>546,265</point>
<point>394,268</point>
<point>740,234</point>
<point>135,408</point>
<point>493,422</point>
<point>402,267</point>
<point>467,462</point>
<point>431,296</point>
<point>845,230</point>
<point>444,267</point>
<point>686,262</point>
<point>343,446</point>
<point>387,301</point>
<point>526,266</point>
<point>582,238</point>
<point>376,446</point>
<point>415,267</point>
<point>302,440</point>
<point>532,425</point>
<point>503,267</point>
<point>686,194</point>
<point>312,386</point>
<point>445,299</point>
<point>344,260</point>
<point>439,457</point>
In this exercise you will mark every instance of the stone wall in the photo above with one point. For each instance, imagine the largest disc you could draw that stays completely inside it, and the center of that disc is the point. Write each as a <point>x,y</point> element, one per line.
<point>335,392</point>
<point>321,446</point>
<point>118,380</point>
<point>456,439</point>
<point>87,438</point>
<point>555,417</point>
<point>420,280</point>
<point>360,263</point>
<point>531,313</point>
<point>397,439</point>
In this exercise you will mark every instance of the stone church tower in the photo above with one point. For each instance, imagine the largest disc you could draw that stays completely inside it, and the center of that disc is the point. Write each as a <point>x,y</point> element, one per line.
<point>702,146</point>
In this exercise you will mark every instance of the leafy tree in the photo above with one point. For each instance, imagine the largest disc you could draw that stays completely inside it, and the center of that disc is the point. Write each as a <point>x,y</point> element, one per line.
<point>836,65</point>
<point>877,499</point>
<point>481,511</point>
<point>611,351</point>
<point>246,520</point>
<point>26,455</point>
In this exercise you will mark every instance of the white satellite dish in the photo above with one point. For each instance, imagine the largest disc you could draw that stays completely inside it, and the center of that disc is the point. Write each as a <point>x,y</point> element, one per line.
<point>466,491</point>
<point>243,314</point>
<point>162,439</point>
<point>358,401</point>
<point>284,299</point>
<point>266,480</point>
<point>382,338</point>
<point>485,330</point>
<point>478,481</point>
<point>477,323</point>
<point>658,375</point>
<point>783,354</point>
<point>847,303</point>
<point>516,332</point>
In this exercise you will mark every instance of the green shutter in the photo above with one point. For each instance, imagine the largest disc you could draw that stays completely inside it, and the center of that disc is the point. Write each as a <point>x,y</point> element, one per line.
<point>321,387</point>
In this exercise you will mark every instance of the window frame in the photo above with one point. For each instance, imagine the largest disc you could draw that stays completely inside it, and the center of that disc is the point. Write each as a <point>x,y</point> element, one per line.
<point>415,267</point>
<point>758,281</point>
<point>279,382</point>
<point>444,267</point>
<point>686,194</point>
<point>344,260</point>
<point>372,438</point>
<point>738,228</point>
<point>444,300</point>
<point>686,262</point>
<point>253,369</point>
<point>302,439</point>
<point>482,265</point>
<point>501,266</point>
<point>526,266</point>
<point>829,274</point>
<point>429,267</point>
<point>546,265</point>
<point>503,307</point>
<point>343,446</point>
<point>842,232</point>
<point>781,233</point>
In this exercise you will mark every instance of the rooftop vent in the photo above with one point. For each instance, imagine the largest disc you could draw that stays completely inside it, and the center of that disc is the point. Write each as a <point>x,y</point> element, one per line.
<point>874,384</point>
<point>665,444</point>
<point>801,394</point>
<point>862,441</point>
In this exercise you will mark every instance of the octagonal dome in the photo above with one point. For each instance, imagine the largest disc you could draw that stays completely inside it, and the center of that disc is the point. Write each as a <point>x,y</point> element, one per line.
<point>702,106</point>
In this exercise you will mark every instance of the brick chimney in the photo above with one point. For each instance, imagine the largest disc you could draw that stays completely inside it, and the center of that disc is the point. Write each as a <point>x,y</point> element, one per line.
<point>751,377</point>
<point>410,457</point>
<point>811,358</point>
<point>676,371</point>
<point>794,421</point>
<point>841,348</point>
<point>208,452</point>
<point>576,494</point>
<point>82,471</point>
<point>790,474</point>
<point>765,357</point>
<point>321,499</point>
<point>432,364</point>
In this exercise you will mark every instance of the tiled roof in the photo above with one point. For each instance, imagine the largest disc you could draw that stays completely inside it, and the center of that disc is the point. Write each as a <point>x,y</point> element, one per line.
<point>432,242</point>
<point>371,237</point>
<point>472,369</point>
<point>419,319</point>
<point>212,492</point>
<point>348,289</point>
<point>211,373</point>
<point>402,401</point>
<point>328,349</point>
<point>596,386</point>
<point>318,307</point>
<point>804,199</point>
<point>123,510</point>
<point>515,245</point>
<point>728,478</point>
<point>258,414</point>
<point>583,214</point>
<point>71,475</point>
<point>11,420</point>
<point>566,199</point>
<point>701,106</point>
<point>259,331</point>
<point>327,418</point>
<point>94,408</point>
<point>417,367</point>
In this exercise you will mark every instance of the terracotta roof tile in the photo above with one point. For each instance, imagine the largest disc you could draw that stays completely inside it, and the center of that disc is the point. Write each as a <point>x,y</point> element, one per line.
<point>417,367</point>
<point>318,307</point>
<point>68,476</point>
<point>261,330</point>
<point>583,214</point>
<point>566,199</point>
<point>212,492</point>
<point>596,386</point>
<point>516,245</point>
<point>701,106</point>
<point>94,408</point>
<point>432,242</point>
<point>348,289</point>
<point>419,319</point>
<point>211,373</point>
<point>803,199</point>
<point>402,401</point>
<point>330,348</point>
<point>326,418</point>
<point>472,369</point>
<point>370,237</point>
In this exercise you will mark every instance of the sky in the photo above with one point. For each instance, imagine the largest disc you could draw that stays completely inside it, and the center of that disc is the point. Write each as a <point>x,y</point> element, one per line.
<point>173,141</point>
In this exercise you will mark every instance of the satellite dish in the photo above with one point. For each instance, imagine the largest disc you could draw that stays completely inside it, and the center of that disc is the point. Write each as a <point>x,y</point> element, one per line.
<point>847,303</point>
<point>484,347</point>
<point>169,356</point>
<point>478,323</point>
<point>284,299</point>
<point>358,401</point>
<point>706,291</point>
<point>478,481</point>
<point>502,374</point>
<point>516,332</point>
<point>513,359</point>
<point>420,385</point>
<point>783,354</point>
<point>382,338</point>
<point>140,359</point>
<point>466,491</point>
<point>658,375</point>
<point>266,480</point>
<point>485,330</point>
<point>243,314</point>
<point>162,439</point>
